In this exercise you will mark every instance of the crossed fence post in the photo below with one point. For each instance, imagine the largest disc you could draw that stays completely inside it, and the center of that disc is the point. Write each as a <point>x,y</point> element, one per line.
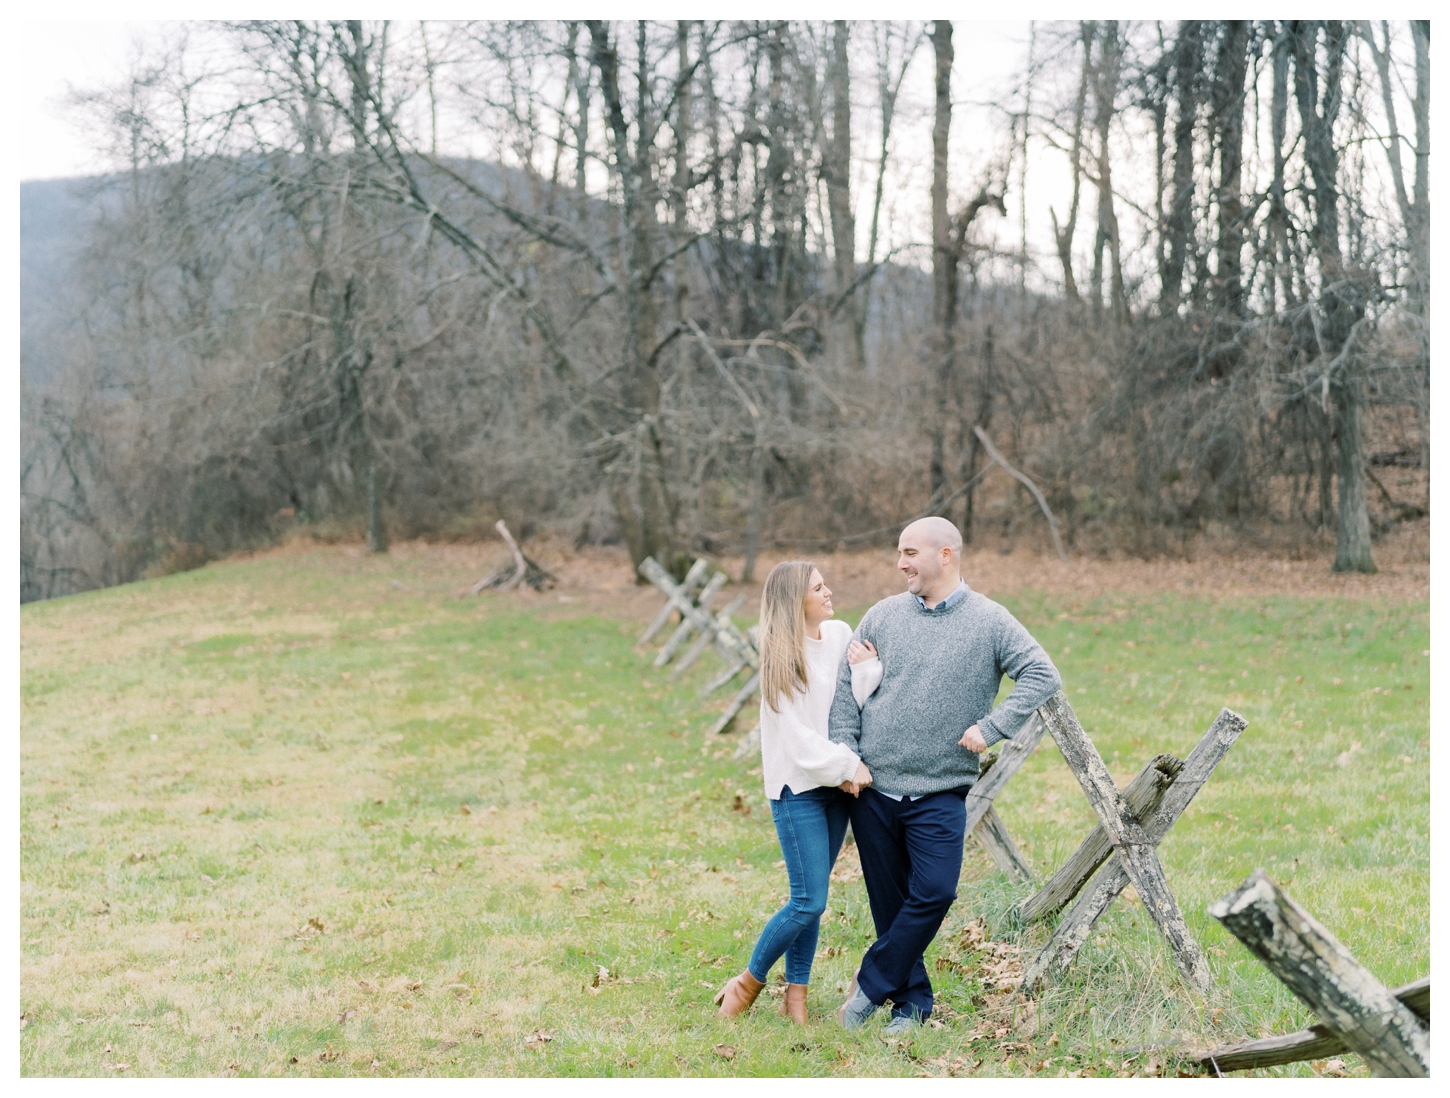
<point>1131,824</point>
<point>717,630</point>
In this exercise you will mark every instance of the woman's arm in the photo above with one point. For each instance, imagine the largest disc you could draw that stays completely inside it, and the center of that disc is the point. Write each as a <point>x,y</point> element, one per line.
<point>865,676</point>
<point>824,762</point>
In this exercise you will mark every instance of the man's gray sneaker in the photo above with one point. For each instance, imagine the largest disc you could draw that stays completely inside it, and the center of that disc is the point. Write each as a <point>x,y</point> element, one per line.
<point>901,1023</point>
<point>857,1008</point>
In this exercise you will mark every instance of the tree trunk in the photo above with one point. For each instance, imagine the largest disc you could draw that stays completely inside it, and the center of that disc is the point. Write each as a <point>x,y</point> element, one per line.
<point>1352,552</point>
<point>1231,71</point>
<point>1277,235</point>
<point>1105,94</point>
<point>1187,72</point>
<point>836,169</point>
<point>680,187</point>
<point>757,510</point>
<point>943,259</point>
<point>1341,299</point>
<point>985,394</point>
<point>639,390</point>
<point>780,181</point>
<point>583,85</point>
<point>377,532</point>
<point>1063,235</point>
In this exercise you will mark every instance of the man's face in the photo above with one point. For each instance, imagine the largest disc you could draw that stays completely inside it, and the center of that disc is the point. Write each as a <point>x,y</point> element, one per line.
<point>920,561</point>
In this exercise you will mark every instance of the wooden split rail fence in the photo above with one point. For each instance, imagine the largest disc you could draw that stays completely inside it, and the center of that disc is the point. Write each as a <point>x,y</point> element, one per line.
<point>701,628</point>
<point>1120,850</point>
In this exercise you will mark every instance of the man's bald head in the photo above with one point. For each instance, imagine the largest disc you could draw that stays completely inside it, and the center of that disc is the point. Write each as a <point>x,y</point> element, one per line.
<point>935,532</point>
<point>929,554</point>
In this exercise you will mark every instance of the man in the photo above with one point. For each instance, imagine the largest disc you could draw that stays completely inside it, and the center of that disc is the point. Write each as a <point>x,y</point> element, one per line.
<point>944,649</point>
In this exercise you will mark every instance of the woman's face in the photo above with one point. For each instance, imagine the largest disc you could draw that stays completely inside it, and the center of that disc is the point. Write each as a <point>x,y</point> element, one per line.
<point>818,602</point>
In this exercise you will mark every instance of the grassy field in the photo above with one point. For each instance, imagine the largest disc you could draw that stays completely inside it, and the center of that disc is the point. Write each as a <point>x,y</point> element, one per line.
<point>284,817</point>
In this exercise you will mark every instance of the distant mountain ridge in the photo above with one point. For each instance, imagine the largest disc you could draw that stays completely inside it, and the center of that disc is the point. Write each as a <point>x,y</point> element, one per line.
<point>54,217</point>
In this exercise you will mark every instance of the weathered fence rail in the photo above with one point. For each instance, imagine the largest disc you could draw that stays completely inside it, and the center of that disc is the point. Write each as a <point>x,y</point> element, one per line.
<point>1389,1030</point>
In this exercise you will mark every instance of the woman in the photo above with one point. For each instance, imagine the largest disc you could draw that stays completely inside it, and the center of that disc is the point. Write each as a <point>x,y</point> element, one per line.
<point>807,776</point>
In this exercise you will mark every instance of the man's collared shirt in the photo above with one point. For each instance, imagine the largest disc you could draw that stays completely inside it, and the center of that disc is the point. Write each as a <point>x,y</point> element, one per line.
<point>946,603</point>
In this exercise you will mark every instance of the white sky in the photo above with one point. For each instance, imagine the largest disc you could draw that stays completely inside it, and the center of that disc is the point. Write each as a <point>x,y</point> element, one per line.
<point>51,58</point>
<point>45,58</point>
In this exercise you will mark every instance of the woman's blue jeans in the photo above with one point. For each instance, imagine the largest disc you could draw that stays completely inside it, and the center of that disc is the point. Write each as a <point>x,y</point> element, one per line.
<point>811,826</point>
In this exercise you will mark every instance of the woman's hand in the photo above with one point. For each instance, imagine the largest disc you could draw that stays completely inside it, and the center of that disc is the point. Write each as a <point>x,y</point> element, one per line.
<point>859,782</point>
<point>860,652</point>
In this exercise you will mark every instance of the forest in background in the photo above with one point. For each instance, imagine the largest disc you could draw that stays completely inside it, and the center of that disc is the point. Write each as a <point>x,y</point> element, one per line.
<point>681,303</point>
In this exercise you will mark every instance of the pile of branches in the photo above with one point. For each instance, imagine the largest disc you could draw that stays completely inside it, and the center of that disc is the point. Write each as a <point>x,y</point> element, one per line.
<point>519,570</point>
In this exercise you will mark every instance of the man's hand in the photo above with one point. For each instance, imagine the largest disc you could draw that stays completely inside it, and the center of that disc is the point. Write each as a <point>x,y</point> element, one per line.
<point>860,652</point>
<point>972,740</point>
<point>861,780</point>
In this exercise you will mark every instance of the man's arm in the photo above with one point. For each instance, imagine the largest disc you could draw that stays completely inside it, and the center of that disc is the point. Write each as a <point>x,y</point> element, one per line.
<point>845,719</point>
<point>1035,680</point>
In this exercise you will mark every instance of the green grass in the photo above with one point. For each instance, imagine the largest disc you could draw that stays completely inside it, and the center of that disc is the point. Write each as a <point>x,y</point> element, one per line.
<point>217,764</point>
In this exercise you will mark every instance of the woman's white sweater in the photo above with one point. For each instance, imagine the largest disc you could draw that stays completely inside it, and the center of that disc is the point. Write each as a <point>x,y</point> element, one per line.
<point>795,750</point>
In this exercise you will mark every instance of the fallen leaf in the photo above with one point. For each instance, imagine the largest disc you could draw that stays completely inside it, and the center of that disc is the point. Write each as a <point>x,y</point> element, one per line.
<point>974,934</point>
<point>446,1045</point>
<point>726,1052</point>
<point>345,1015</point>
<point>465,810</point>
<point>327,1055</point>
<point>132,859</point>
<point>538,1039</point>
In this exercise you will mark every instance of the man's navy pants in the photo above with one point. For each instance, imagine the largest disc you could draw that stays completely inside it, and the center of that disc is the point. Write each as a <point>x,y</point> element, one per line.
<point>911,857</point>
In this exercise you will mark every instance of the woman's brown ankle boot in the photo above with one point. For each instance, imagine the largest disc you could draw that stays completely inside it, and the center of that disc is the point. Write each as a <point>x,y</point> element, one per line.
<point>793,1006</point>
<point>738,994</point>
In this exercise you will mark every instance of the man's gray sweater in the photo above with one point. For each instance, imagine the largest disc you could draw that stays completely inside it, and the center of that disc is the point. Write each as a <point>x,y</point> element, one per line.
<point>942,670</point>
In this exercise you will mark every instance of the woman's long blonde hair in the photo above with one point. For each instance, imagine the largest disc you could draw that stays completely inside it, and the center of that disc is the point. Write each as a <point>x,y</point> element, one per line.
<point>782,633</point>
